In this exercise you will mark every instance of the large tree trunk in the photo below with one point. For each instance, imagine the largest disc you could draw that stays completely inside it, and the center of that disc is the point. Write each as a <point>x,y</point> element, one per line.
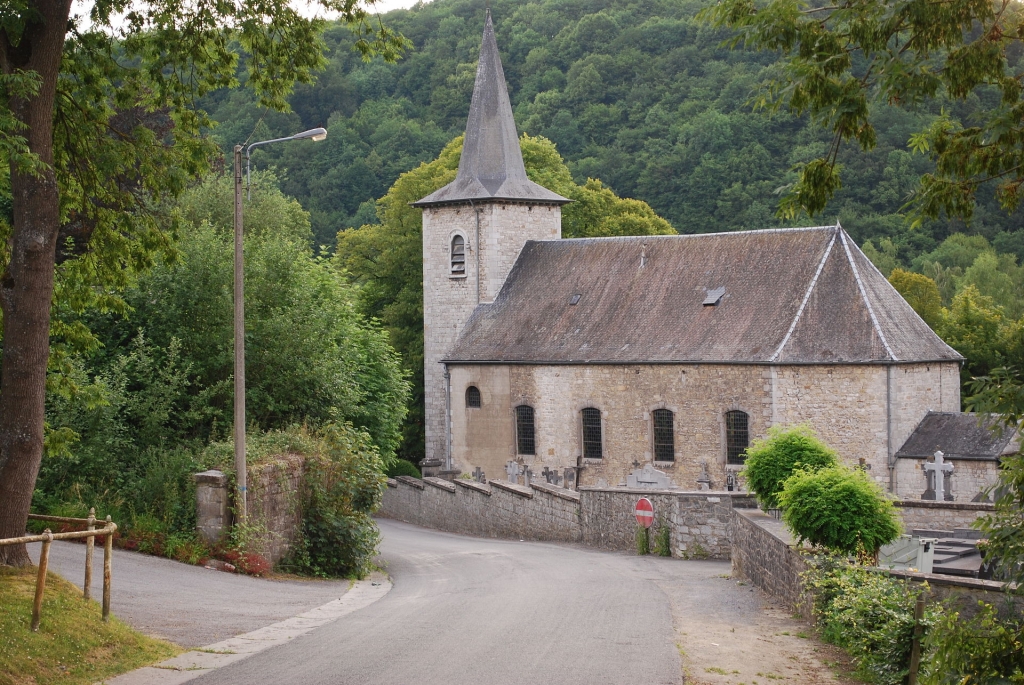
<point>26,287</point>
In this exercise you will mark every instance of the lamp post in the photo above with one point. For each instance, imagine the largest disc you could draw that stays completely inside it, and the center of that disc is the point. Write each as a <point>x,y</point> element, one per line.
<point>240,466</point>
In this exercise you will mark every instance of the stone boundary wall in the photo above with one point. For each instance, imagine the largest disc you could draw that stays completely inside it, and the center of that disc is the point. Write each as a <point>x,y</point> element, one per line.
<point>763,552</point>
<point>497,509</point>
<point>940,515</point>
<point>275,513</point>
<point>701,522</point>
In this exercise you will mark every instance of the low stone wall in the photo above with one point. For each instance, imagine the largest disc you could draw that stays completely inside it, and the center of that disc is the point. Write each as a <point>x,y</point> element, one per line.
<point>763,551</point>
<point>274,508</point>
<point>940,515</point>
<point>701,523</point>
<point>497,509</point>
<point>275,513</point>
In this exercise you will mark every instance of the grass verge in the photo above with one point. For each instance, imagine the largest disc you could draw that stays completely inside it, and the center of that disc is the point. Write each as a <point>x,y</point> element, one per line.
<point>73,644</point>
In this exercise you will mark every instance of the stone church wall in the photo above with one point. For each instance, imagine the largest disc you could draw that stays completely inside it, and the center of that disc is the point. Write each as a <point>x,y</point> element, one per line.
<point>449,301</point>
<point>846,405</point>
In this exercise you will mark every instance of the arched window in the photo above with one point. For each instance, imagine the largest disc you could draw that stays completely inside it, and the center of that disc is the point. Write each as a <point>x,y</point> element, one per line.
<point>591,433</point>
<point>525,443</point>
<point>664,435</point>
<point>458,256</point>
<point>737,436</point>
<point>473,396</point>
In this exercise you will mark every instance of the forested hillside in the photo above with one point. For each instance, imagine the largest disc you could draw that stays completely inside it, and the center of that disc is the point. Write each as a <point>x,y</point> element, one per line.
<point>639,94</point>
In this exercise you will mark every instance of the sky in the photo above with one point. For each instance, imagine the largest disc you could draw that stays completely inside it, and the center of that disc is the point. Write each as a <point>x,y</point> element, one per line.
<point>82,7</point>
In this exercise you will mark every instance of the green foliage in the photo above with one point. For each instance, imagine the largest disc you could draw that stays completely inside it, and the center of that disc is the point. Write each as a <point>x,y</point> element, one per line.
<point>643,540</point>
<point>343,486</point>
<point>386,259</point>
<point>1004,528</point>
<point>403,467</point>
<point>920,292</point>
<point>771,460</point>
<point>869,614</point>
<point>839,509</point>
<point>841,65</point>
<point>978,650</point>
<point>662,540</point>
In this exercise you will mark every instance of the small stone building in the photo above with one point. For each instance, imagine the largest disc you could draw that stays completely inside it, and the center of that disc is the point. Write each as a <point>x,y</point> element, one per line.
<point>974,444</point>
<point>608,354</point>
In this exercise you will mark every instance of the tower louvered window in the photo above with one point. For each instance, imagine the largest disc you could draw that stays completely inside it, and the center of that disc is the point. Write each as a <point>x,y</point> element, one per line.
<point>458,256</point>
<point>737,436</point>
<point>664,435</point>
<point>525,443</point>
<point>592,433</point>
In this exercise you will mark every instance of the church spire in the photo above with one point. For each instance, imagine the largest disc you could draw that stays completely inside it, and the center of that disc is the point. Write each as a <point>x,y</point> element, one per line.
<point>491,166</point>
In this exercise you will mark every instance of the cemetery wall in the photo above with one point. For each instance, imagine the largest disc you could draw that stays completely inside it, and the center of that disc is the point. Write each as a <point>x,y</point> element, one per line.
<point>700,522</point>
<point>970,478</point>
<point>497,509</point>
<point>763,552</point>
<point>940,515</point>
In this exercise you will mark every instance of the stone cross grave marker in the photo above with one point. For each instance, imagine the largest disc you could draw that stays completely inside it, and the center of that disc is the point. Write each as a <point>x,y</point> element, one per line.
<point>936,472</point>
<point>527,475</point>
<point>478,475</point>
<point>551,476</point>
<point>513,471</point>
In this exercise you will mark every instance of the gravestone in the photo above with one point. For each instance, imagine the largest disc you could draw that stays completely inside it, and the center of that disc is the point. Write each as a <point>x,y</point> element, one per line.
<point>731,482</point>
<point>704,481</point>
<point>527,476</point>
<point>649,477</point>
<point>939,489</point>
<point>513,470</point>
<point>569,475</point>
<point>551,476</point>
<point>478,475</point>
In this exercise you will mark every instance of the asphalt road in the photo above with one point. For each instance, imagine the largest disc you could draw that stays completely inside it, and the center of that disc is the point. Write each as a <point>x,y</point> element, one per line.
<point>189,605</point>
<point>476,611</point>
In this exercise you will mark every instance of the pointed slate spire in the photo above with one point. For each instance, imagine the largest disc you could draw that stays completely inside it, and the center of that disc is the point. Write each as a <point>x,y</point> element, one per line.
<point>491,166</point>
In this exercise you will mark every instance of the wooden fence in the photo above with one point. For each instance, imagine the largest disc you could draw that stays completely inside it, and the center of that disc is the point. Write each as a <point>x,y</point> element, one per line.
<point>89,534</point>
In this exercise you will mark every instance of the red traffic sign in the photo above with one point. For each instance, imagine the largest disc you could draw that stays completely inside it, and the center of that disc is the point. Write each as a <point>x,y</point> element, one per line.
<point>644,512</point>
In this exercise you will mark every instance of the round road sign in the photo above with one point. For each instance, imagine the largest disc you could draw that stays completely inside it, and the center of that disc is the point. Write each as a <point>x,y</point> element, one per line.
<point>644,512</point>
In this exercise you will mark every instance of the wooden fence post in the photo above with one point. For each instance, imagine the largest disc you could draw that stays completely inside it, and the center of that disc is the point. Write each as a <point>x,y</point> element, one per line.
<point>44,560</point>
<point>90,542</point>
<point>108,554</point>
<point>915,649</point>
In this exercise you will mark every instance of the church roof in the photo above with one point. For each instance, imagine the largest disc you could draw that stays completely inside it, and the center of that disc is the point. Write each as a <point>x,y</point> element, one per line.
<point>959,436</point>
<point>784,296</point>
<point>491,166</point>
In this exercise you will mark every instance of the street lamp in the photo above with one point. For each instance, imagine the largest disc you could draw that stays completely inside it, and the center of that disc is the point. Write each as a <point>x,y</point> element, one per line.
<point>240,467</point>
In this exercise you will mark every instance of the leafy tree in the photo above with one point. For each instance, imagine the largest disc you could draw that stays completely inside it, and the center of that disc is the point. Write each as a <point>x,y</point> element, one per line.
<point>386,258</point>
<point>96,124</point>
<point>839,509</point>
<point>972,327</point>
<point>920,292</point>
<point>771,460</point>
<point>840,62</point>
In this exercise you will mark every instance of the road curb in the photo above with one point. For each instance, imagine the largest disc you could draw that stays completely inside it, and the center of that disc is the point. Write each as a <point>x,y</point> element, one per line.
<point>197,662</point>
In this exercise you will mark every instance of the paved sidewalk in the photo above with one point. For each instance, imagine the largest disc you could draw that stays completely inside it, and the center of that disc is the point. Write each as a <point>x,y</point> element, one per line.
<point>190,605</point>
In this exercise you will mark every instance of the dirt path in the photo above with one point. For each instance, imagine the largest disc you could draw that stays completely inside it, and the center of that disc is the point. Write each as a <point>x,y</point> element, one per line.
<point>729,633</point>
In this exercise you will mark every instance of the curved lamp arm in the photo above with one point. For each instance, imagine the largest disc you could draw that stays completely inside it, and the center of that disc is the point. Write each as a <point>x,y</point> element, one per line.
<point>315,134</point>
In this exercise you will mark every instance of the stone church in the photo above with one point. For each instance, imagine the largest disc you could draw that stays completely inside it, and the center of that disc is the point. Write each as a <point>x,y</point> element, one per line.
<point>586,359</point>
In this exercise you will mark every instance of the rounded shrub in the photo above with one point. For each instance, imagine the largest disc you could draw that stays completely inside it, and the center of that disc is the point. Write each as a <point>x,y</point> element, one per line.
<point>840,509</point>
<point>403,467</point>
<point>770,461</point>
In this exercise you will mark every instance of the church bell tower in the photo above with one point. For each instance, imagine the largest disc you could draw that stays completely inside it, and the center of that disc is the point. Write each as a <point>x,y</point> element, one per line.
<point>473,231</point>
